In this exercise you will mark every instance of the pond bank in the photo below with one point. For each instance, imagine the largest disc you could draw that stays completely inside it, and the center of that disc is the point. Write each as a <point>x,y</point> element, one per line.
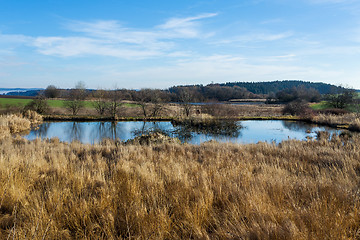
<point>99,118</point>
<point>339,124</point>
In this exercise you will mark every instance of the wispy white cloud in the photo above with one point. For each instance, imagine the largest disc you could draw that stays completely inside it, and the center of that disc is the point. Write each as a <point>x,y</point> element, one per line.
<point>184,27</point>
<point>14,38</point>
<point>9,42</point>
<point>80,46</point>
<point>110,38</point>
<point>256,37</point>
<point>11,61</point>
<point>185,22</point>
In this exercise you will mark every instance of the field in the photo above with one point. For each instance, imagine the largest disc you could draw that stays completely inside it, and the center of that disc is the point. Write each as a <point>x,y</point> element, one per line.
<point>319,106</point>
<point>18,102</point>
<point>294,190</point>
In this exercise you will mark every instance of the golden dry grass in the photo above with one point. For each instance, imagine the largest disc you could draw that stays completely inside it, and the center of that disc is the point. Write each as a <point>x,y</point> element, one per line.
<point>294,190</point>
<point>15,123</point>
<point>351,119</point>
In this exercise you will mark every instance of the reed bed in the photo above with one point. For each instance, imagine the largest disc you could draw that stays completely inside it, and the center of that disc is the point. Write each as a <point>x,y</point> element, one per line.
<point>12,124</point>
<point>351,120</point>
<point>293,190</point>
<point>15,123</point>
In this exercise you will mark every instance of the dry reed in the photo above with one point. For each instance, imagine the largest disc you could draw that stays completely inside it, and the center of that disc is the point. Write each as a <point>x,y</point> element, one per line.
<point>294,190</point>
<point>351,120</point>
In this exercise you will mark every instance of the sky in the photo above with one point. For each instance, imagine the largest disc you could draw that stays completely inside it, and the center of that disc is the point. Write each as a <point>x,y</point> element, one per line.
<point>161,43</point>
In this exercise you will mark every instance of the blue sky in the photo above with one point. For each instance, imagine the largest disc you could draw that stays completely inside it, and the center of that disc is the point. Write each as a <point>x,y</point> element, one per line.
<point>158,44</point>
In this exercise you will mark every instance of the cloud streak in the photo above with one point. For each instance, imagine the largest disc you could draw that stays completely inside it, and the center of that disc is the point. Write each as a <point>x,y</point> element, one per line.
<point>110,38</point>
<point>256,37</point>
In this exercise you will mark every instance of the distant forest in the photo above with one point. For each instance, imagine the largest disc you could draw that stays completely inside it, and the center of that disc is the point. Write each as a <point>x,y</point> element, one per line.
<point>276,86</point>
<point>284,91</point>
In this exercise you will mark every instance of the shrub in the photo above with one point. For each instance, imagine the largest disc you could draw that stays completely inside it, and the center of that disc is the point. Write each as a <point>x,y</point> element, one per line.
<point>38,105</point>
<point>297,107</point>
<point>219,110</point>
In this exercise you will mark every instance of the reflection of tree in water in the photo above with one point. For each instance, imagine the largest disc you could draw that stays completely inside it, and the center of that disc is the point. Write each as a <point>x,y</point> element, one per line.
<point>111,130</point>
<point>184,129</point>
<point>298,126</point>
<point>100,131</point>
<point>43,130</point>
<point>75,131</point>
<point>183,133</point>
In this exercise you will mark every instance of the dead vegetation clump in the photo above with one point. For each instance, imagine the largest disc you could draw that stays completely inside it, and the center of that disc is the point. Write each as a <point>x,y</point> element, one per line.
<point>15,123</point>
<point>152,138</point>
<point>33,117</point>
<point>293,190</point>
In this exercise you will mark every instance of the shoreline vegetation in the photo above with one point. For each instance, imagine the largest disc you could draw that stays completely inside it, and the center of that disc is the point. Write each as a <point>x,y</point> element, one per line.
<point>348,122</point>
<point>167,190</point>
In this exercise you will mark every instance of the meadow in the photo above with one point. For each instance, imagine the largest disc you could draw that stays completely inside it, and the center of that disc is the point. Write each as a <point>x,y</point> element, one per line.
<point>293,190</point>
<point>53,103</point>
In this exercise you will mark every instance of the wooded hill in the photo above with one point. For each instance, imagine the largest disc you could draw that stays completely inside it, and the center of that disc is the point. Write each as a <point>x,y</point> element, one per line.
<point>276,86</point>
<point>252,90</point>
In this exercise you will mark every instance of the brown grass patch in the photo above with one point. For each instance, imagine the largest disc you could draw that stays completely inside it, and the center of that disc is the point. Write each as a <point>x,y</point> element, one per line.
<point>350,120</point>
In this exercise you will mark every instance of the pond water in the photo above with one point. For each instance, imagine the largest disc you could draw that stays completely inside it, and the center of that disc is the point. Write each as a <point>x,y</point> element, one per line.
<point>237,132</point>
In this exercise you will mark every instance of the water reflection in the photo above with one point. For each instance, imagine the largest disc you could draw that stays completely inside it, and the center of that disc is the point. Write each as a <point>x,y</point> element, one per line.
<point>101,130</point>
<point>196,133</point>
<point>43,129</point>
<point>76,131</point>
<point>303,126</point>
<point>186,129</point>
<point>151,127</point>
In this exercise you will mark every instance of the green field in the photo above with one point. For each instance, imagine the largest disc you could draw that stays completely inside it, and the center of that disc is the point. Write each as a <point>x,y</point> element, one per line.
<point>320,106</point>
<point>5,102</point>
<point>323,105</point>
<point>13,102</point>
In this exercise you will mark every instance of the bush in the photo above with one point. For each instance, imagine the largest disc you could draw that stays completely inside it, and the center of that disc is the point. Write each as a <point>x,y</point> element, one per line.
<point>38,105</point>
<point>297,107</point>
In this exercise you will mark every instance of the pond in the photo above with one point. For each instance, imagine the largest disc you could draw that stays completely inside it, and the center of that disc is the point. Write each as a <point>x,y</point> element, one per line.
<point>226,131</point>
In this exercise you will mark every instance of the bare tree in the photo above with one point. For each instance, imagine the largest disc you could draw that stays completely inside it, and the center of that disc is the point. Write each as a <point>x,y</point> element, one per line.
<point>151,101</point>
<point>143,97</point>
<point>186,97</point>
<point>157,101</point>
<point>75,98</point>
<point>100,103</point>
<point>115,102</point>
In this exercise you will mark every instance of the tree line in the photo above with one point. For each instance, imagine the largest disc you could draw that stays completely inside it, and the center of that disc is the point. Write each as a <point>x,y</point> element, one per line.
<point>108,102</point>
